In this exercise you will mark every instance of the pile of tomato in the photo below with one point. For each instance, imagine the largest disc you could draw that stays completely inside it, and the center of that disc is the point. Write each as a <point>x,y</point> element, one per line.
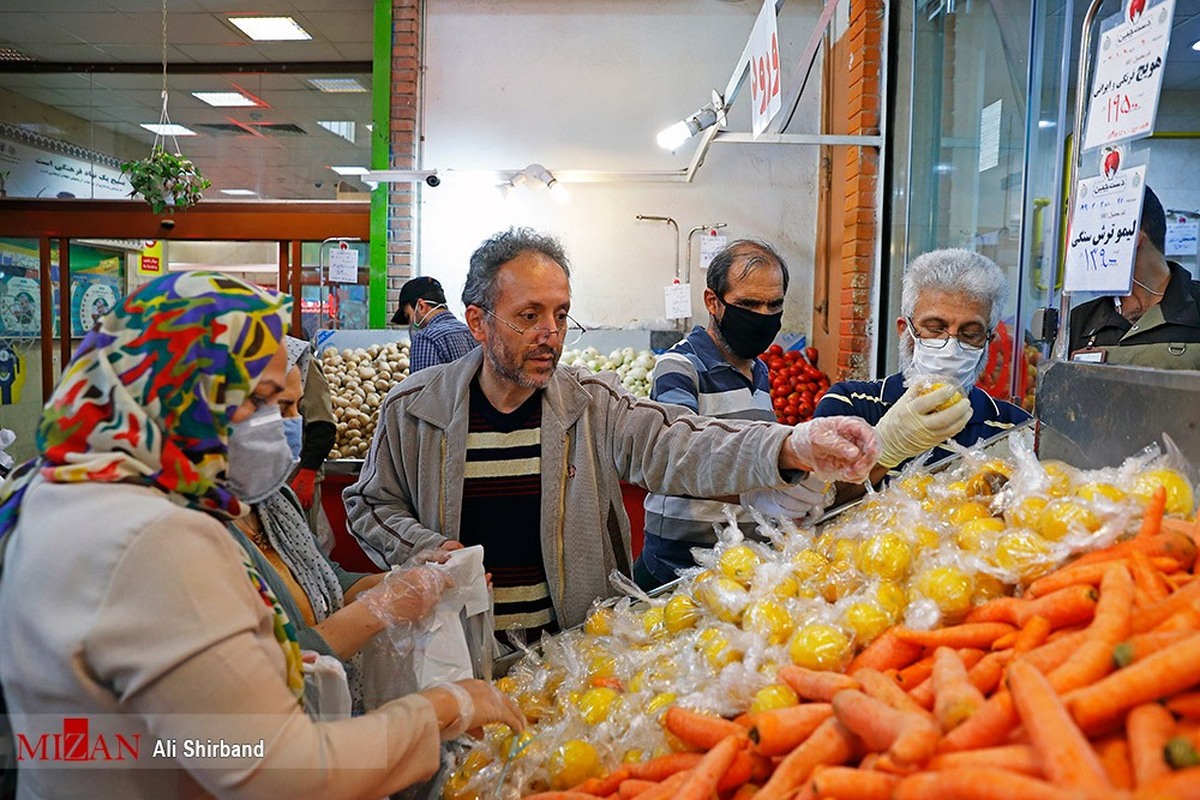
<point>796,383</point>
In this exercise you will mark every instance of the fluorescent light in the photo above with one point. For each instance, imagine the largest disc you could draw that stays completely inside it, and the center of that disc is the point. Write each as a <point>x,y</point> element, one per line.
<point>337,85</point>
<point>342,128</point>
<point>350,170</point>
<point>168,130</point>
<point>1045,123</point>
<point>270,29</point>
<point>225,99</point>
<point>239,192</point>
<point>1196,45</point>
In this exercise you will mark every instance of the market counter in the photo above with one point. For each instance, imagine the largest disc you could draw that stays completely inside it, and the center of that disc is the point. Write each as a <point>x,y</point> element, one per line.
<point>347,552</point>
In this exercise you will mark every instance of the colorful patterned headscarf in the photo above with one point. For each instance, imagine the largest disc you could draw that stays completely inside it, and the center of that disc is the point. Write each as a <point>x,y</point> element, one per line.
<point>148,396</point>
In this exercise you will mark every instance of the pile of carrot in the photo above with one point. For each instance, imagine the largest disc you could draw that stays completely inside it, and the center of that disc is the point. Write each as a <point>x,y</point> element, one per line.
<point>1086,686</point>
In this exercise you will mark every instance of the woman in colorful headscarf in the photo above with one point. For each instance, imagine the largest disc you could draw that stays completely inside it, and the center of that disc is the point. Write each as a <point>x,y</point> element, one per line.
<point>134,628</point>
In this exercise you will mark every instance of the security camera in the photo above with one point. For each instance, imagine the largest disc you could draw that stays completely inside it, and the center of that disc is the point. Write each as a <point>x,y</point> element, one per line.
<point>433,180</point>
<point>167,224</point>
<point>318,184</point>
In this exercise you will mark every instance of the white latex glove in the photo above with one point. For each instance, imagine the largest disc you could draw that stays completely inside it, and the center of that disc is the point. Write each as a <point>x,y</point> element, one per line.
<point>913,424</point>
<point>479,703</point>
<point>805,499</point>
<point>836,448</point>
<point>405,595</point>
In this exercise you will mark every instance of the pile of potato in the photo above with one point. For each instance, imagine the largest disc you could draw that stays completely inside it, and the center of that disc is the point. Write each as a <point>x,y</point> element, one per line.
<point>359,379</point>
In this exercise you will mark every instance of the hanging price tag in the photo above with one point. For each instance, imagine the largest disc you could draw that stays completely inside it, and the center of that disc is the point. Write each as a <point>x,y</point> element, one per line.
<point>766,94</point>
<point>1102,242</point>
<point>709,247</point>
<point>343,265</point>
<point>679,300</point>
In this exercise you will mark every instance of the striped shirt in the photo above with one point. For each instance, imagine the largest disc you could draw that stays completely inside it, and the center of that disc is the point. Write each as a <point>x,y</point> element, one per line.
<point>442,339</point>
<point>502,495</point>
<point>694,374</point>
<point>870,400</point>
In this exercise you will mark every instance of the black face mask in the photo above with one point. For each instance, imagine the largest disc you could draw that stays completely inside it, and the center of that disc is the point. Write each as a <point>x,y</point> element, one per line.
<point>748,333</point>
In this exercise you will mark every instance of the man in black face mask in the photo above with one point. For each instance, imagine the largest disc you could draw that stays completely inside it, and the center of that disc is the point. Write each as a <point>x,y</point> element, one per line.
<point>716,372</point>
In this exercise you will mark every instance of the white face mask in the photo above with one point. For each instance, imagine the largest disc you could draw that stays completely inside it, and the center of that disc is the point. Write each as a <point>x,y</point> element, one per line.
<point>259,458</point>
<point>951,361</point>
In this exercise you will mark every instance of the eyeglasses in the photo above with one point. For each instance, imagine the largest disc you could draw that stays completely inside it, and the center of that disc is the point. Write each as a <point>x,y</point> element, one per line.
<point>970,340</point>
<point>567,329</point>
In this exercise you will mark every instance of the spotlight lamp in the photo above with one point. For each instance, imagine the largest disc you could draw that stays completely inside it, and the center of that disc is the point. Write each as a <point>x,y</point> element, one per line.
<point>708,115</point>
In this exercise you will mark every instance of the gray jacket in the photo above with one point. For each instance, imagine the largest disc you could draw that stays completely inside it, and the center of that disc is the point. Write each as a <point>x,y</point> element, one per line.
<point>594,433</point>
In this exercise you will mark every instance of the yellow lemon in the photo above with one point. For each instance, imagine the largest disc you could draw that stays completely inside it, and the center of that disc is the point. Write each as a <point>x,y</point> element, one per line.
<point>965,512</point>
<point>1062,477</point>
<point>843,550</point>
<point>916,485</point>
<point>777,695</point>
<point>1025,513</point>
<point>819,646</point>
<point>770,620</point>
<point>988,587</point>
<point>807,563</point>
<point>1062,516</point>
<point>787,587</point>
<point>718,653</point>
<point>634,756</point>
<point>1097,490</point>
<point>596,704</point>
<point>652,620</point>
<point>925,537</point>
<point>956,488</point>
<point>506,685</point>
<point>949,587</point>
<point>975,535</point>
<point>892,598</point>
<point>680,613</point>
<point>988,481</point>
<point>1023,553</point>
<point>602,666</point>
<point>1179,491</point>
<point>572,763</point>
<point>885,556</point>
<point>660,702</point>
<point>739,563</point>
<point>867,620</point>
<point>934,386</point>
<point>599,622</point>
<point>458,784</point>
<point>724,597</point>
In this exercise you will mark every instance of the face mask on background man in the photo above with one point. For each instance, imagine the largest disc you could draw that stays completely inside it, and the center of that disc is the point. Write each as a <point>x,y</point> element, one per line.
<point>748,333</point>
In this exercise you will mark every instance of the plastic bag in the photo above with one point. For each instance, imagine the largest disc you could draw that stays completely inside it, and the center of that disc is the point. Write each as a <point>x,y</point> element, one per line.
<point>326,689</point>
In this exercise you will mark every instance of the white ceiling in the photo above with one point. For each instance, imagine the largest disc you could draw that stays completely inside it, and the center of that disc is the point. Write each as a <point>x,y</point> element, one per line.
<point>276,165</point>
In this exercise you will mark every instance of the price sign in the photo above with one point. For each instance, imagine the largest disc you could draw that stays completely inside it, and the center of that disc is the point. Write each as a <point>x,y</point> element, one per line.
<point>1182,237</point>
<point>1102,242</point>
<point>343,265</point>
<point>709,247</point>
<point>1129,72</point>
<point>766,95</point>
<point>679,300</point>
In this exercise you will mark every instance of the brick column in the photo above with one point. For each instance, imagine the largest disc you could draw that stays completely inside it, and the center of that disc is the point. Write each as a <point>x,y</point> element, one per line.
<point>403,142</point>
<point>861,227</point>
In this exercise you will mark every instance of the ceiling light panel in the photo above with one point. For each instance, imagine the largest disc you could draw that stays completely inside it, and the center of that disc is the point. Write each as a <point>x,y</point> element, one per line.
<point>337,85</point>
<point>239,192</point>
<point>225,99</point>
<point>270,29</point>
<point>340,127</point>
<point>168,130</point>
<point>350,170</point>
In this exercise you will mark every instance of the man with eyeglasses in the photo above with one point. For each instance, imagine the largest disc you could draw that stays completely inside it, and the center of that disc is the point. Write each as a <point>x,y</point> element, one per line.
<point>507,449</point>
<point>715,371</point>
<point>951,301</point>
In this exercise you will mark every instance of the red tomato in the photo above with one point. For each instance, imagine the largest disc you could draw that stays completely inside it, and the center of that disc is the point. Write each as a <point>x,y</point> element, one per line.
<point>775,350</point>
<point>791,419</point>
<point>811,354</point>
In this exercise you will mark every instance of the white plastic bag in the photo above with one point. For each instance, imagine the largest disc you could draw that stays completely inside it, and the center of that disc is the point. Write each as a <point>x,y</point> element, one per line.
<point>326,689</point>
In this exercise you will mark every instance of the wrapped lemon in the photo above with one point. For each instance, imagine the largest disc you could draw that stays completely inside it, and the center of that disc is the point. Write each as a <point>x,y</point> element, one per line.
<point>820,646</point>
<point>949,588</point>
<point>739,563</point>
<point>572,763</point>
<point>769,698</point>
<point>1180,500</point>
<point>680,613</point>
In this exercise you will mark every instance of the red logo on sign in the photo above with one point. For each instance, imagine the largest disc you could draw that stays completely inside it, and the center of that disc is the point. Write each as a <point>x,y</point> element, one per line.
<point>75,743</point>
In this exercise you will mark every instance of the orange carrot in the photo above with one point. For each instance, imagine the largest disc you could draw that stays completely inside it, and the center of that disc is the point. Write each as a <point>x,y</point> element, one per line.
<point>966,635</point>
<point>1066,757</point>
<point>1032,634</point>
<point>1070,575</point>
<point>987,727</point>
<point>1180,600</point>
<point>888,651</point>
<point>1186,705</point>
<point>602,787</point>
<point>1149,727</point>
<point>887,690</point>
<point>561,795</point>
<point>1152,520</point>
<point>1015,757</point>
<point>986,674</point>
<point>848,783</point>
<point>633,787</point>
<point>1161,674</point>
<point>739,771</point>
<point>999,609</point>
<point>915,674</point>
<point>1093,659</point>
<point>1182,784</point>
<point>922,693</point>
<point>1141,645</point>
<point>779,731</point>
<point>830,743</point>
<point>907,736</point>
<point>1156,583</point>
<point>1007,641</point>
<point>745,792</point>
<point>979,783</point>
<point>703,780</point>
<point>667,788</point>
<point>1114,755</point>
<point>1169,544</point>
<point>694,729</point>
<point>1066,606</point>
<point>663,767</point>
<point>814,684</point>
<point>955,698</point>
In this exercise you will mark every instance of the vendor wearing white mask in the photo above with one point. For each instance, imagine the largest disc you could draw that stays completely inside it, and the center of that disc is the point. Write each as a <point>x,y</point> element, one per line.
<point>950,304</point>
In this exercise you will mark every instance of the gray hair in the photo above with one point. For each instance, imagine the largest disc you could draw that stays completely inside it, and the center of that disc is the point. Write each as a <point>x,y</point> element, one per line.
<point>752,252</point>
<point>956,271</point>
<point>501,248</point>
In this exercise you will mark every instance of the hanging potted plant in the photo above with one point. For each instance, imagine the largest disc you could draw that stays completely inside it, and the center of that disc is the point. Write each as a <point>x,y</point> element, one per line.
<point>165,180</point>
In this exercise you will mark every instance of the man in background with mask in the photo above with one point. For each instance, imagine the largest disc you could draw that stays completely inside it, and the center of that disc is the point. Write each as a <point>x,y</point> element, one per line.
<point>436,335</point>
<point>716,372</point>
<point>950,304</point>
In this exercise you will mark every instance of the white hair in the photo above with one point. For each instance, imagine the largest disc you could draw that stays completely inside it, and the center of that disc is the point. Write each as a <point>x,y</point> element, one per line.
<point>958,272</point>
